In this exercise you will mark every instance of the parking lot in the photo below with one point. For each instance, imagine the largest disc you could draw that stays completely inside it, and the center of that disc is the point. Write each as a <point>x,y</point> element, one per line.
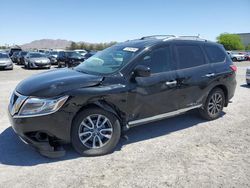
<point>183,151</point>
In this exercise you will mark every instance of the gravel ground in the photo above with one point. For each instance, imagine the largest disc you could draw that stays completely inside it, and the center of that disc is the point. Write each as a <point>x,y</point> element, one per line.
<point>183,151</point>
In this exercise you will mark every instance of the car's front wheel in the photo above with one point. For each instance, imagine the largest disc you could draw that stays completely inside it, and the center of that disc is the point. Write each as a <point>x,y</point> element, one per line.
<point>214,105</point>
<point>95,132</point>
<point>234,59</point>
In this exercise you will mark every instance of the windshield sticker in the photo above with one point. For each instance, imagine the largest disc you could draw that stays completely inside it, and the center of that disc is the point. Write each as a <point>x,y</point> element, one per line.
<point>129,49</point>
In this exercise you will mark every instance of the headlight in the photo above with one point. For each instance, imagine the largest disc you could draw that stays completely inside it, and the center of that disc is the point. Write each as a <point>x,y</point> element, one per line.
<point>9,62</point>
<point>37,106</point>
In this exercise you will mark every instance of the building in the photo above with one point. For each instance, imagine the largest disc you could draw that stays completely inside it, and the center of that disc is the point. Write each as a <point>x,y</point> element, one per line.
<point>245,38</point>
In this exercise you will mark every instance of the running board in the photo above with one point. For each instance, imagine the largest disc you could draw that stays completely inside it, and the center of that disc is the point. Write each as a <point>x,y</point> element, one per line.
<point>160,116</point>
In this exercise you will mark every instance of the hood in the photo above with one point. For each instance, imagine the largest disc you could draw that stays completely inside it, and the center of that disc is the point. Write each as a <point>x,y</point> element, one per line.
<point>4,60</point>
<point>56,82</point>
<point>43,59</point>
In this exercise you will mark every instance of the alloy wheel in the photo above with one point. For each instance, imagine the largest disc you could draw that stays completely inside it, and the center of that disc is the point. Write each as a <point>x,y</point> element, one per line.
<point>95,131</point>
<point>215,104</point>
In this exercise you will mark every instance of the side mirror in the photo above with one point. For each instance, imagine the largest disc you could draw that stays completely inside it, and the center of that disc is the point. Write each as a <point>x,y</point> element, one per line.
<point>142,71</point>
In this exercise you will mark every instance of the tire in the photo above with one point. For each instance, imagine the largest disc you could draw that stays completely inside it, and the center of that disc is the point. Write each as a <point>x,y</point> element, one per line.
<point>209,111</point>
<point>25,66</point>
<point>84,144</point>
<point>28,66</point>
<point>59,64</point>
<point>234,59</point>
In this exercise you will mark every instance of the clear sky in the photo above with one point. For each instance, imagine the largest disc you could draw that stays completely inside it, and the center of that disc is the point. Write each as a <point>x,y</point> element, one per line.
<point>23,21</point>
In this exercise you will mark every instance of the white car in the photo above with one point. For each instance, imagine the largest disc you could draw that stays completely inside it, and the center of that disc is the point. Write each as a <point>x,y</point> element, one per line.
<point>235,56</point>
<point>248,76</point>
<point>5,61</point>
<point>81,51</point>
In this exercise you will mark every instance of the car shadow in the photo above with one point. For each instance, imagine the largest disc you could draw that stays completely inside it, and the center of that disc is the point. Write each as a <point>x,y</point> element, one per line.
<point>14,152</point>
<point>245,85</point>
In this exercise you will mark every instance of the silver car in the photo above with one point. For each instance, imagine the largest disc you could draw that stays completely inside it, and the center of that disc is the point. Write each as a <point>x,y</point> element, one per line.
<point>248,76</point>
<point>36,60</point>
<point>5,61</point>
<point>236,56</point>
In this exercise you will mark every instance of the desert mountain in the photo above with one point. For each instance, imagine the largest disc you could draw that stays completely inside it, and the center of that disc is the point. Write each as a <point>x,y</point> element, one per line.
<point>47,44</point>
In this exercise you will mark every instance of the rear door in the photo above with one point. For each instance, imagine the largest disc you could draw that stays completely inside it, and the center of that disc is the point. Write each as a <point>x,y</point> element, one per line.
<point>218,59</point>
<point>193,75</point>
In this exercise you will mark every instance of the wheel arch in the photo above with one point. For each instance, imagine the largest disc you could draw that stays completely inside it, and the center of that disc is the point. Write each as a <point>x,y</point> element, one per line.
<point>225,91</point>
<point>105,106</point>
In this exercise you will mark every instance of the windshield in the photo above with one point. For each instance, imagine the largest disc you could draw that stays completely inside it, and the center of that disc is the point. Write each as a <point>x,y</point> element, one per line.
<point>4,56</point>
<point>54,53</point>
<point>109,60</point>
<point>36,55</point>
<point>81,51</point>
<point>73,54</point>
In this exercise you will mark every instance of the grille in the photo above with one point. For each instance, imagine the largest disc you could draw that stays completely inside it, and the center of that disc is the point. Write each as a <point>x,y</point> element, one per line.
<point>16,102</point>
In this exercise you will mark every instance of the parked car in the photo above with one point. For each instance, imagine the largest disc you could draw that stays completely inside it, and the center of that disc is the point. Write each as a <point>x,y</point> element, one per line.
<point>36,60</point>
<point>14,56</point>
<point>15,49</point>
<point>20,57</point>
<point>5,61</point>
<point>247,55</point>
<point>235,56</point>
<point>69,59</point>
<point>248,76</point>
<point>126,85</point>
<point>81,51</point>
<point>89,54</point>
<point>53,56</point>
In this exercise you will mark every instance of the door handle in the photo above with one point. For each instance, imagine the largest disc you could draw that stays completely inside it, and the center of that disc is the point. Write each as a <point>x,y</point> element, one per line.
<point>171,83</point>
<point>209,75</point>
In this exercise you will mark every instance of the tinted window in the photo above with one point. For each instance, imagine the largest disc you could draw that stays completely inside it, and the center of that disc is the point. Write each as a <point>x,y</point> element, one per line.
<point>4,56</point>
<point>158,60</point>
<point>215,54</point>
<point>53,53</point>
<point>36,55</point>
<point>189,56</point>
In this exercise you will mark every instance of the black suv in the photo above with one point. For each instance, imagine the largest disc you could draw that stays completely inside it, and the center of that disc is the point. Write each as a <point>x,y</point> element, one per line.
<point>126,85</point>
<point>20,57</point>
<point>69,59</point>
<point>14,56</point>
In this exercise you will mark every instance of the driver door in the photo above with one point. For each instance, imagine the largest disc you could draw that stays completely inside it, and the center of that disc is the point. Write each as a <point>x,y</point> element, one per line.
<point>152,97</point>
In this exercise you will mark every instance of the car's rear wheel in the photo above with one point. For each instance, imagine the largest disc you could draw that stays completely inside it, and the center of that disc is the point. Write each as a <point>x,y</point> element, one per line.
<point>95,132</point>
<point>214,105</point>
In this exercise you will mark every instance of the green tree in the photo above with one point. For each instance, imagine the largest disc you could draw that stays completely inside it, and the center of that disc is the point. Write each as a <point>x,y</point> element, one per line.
<point>73,46</point>
<point>230,41</point>
<point>90,46</point>
<point>248,47</point>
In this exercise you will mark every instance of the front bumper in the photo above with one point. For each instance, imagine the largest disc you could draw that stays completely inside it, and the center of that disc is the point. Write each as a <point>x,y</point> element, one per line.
<point>56,128</point>
<point>40,65</point>
<point>241,58</point>
<point>6,66</point>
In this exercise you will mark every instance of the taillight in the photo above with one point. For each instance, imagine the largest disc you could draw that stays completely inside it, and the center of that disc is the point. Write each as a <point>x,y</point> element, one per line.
<point>233,67</point>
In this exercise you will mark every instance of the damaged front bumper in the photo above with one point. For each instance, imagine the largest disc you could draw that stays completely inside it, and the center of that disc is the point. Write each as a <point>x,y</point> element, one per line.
<point>45,136</point>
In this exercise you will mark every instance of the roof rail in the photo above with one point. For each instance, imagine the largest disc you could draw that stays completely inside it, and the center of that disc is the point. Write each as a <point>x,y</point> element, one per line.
<point>157,37</point>
<point>187,38</point>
